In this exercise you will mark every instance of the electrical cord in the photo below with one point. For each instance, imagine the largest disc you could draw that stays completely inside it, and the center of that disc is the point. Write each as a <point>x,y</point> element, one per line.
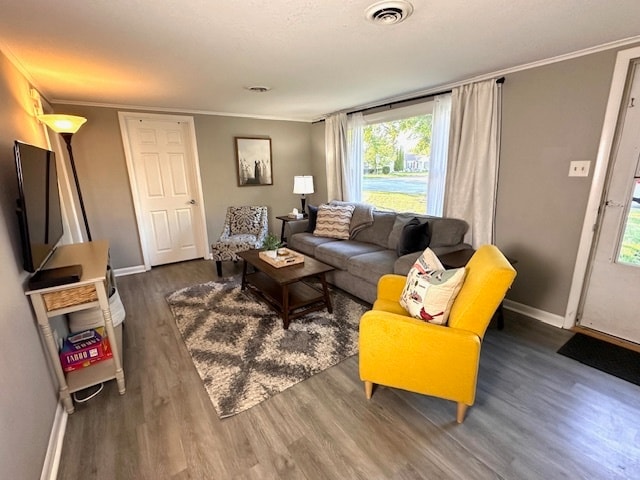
<point>76,399</point>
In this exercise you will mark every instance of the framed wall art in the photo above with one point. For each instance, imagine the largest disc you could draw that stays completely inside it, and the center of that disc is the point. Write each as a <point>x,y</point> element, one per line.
<point>253,161</point>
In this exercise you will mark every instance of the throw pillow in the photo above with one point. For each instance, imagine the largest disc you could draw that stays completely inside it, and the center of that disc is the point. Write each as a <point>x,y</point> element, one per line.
<point>414,238</point>
<point>430,290</point>
<point>313,217</point>
<point>333,221</point>
<point>394,236</point>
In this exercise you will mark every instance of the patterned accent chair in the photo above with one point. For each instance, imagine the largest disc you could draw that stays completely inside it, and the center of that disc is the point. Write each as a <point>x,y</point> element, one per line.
<point>244,229</point>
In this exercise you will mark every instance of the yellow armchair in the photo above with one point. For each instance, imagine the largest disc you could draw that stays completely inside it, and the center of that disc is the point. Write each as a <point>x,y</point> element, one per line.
<point>399,351</point>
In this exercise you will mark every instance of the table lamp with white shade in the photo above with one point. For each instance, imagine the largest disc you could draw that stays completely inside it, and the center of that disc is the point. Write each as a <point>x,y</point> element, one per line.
<point>303,185</point>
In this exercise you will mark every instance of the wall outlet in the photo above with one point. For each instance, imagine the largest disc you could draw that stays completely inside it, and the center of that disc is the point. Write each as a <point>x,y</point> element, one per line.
<point>579,168</point>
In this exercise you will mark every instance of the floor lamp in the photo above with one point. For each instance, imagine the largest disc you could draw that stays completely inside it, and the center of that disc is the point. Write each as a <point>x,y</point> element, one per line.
<point>66,126</point>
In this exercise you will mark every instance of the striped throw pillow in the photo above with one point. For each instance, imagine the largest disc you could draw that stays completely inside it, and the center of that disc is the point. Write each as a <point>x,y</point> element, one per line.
<point>333,221</point>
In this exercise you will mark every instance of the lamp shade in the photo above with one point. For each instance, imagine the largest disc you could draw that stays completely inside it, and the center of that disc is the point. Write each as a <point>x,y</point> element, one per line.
<point>303,184</point>
<point>62,123</point>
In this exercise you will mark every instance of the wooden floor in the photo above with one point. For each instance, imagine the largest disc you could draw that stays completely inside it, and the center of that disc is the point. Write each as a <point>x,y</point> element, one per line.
<point>538,415</point>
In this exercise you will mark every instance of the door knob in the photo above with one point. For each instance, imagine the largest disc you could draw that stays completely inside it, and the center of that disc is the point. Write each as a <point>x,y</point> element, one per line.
<point>192,201</point>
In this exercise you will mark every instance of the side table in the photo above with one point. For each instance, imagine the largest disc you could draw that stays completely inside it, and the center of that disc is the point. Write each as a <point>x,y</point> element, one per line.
<point>459,259</point>
<point>89,292</point>
<point>286,219</point>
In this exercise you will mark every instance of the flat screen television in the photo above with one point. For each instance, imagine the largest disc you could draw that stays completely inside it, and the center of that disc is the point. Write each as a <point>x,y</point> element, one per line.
<point>38,205</point>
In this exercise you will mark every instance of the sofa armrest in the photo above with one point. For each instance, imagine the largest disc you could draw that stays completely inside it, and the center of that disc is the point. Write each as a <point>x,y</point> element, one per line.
<point>296,226</point>
<point>404,263</point>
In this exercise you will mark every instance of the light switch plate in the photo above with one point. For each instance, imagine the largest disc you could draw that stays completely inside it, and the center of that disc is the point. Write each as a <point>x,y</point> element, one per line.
<point>579,168</point>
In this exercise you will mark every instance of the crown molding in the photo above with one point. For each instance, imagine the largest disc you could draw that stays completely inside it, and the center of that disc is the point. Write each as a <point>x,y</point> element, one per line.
<point>120,106</point>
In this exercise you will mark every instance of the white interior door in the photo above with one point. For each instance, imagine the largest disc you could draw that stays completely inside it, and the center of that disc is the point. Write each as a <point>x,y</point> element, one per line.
<point>610,302</point>
<point>165,180</point>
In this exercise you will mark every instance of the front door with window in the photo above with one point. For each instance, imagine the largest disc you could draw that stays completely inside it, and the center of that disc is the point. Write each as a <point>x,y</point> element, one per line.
<point>610,303</point>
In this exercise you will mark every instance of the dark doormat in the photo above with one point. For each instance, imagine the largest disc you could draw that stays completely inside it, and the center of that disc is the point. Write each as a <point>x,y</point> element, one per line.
<point>604,356</point>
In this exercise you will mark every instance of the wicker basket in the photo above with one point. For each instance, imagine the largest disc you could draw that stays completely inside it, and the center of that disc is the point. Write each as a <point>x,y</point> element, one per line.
<point>70,297</point>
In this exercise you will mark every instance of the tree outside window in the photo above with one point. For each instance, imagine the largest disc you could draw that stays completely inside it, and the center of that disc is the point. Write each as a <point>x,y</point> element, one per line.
<point>396,163</point>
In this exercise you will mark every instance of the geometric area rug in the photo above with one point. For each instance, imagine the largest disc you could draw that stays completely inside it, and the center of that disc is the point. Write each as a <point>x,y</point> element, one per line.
<point>243,354</point>
<point>607,357</point>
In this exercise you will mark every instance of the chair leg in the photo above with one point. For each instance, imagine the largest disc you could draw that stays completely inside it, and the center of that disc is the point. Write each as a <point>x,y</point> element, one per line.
<point>462,410</point>
<point>219,267</point>
<point>368,389</point>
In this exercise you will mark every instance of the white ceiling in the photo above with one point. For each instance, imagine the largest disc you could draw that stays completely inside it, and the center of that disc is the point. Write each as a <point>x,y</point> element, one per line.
<point>318,56</point>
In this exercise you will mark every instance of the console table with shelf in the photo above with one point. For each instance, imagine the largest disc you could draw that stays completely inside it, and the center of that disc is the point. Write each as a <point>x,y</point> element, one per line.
<point>92,290</point>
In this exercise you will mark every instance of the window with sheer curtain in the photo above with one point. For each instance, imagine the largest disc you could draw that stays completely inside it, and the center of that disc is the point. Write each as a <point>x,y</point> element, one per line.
<point>401,153</point>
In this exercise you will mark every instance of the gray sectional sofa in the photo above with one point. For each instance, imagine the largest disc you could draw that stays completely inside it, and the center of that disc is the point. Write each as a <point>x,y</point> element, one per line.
<point>371,252</point>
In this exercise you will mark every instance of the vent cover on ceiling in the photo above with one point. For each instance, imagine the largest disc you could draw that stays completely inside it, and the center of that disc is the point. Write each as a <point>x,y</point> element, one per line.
<point>388,12</point>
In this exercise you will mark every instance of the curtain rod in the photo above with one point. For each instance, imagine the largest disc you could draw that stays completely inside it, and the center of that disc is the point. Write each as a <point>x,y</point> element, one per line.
<point>499,81</point>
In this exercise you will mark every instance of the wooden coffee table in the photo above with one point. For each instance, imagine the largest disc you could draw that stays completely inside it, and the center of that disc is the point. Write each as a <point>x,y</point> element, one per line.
<point>285,289</point>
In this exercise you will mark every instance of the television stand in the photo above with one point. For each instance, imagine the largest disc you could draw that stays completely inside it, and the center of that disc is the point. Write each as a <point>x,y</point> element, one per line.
<point>52,277</point>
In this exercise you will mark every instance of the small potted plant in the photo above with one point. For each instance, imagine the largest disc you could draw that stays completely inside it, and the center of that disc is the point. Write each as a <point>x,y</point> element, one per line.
<point>271,244</point>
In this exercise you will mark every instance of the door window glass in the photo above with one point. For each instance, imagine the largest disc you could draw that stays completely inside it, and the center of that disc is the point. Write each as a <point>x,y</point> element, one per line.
<point>630,248</point>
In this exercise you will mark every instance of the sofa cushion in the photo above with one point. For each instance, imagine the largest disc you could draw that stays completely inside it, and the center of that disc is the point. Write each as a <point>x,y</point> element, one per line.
<point>334,221</point>
<point>378,233</point>
<point>415,237</point>
<point>313,217</point>
<point>430,290</point>
<point>337,254</point>
<point>307,242</point>
<point>371,266</point>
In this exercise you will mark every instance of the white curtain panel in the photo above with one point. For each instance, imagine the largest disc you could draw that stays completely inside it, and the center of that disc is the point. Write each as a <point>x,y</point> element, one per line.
<point>472,176</point>
<point>335,144</point>
<point>343,145</point>
<point>353,166</point>
<point>439,154</point>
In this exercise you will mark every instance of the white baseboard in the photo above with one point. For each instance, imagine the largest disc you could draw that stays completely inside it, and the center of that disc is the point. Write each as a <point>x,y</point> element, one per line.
<point>54,449</point>
<point>545,317</point>
<point>121,272</point>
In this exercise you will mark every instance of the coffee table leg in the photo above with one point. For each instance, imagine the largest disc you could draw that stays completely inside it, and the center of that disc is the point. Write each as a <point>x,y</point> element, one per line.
<point>327,297</point>
<point>285,306</point>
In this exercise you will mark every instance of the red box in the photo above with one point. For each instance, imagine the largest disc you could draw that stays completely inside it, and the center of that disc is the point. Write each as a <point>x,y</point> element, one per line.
<point>82,354</point>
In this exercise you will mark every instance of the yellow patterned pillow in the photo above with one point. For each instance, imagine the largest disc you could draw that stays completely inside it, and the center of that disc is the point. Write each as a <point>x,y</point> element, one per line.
<point>333,221</point>
<point>430,290</point>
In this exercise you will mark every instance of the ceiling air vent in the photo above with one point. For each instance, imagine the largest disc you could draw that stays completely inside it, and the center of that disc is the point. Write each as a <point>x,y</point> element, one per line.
<point>388,12</point>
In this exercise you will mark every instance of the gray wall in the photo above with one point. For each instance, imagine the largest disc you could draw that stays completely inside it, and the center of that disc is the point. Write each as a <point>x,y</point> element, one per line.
<point>100,160</point>
<point>551,116</point>
<point>29,396</point>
